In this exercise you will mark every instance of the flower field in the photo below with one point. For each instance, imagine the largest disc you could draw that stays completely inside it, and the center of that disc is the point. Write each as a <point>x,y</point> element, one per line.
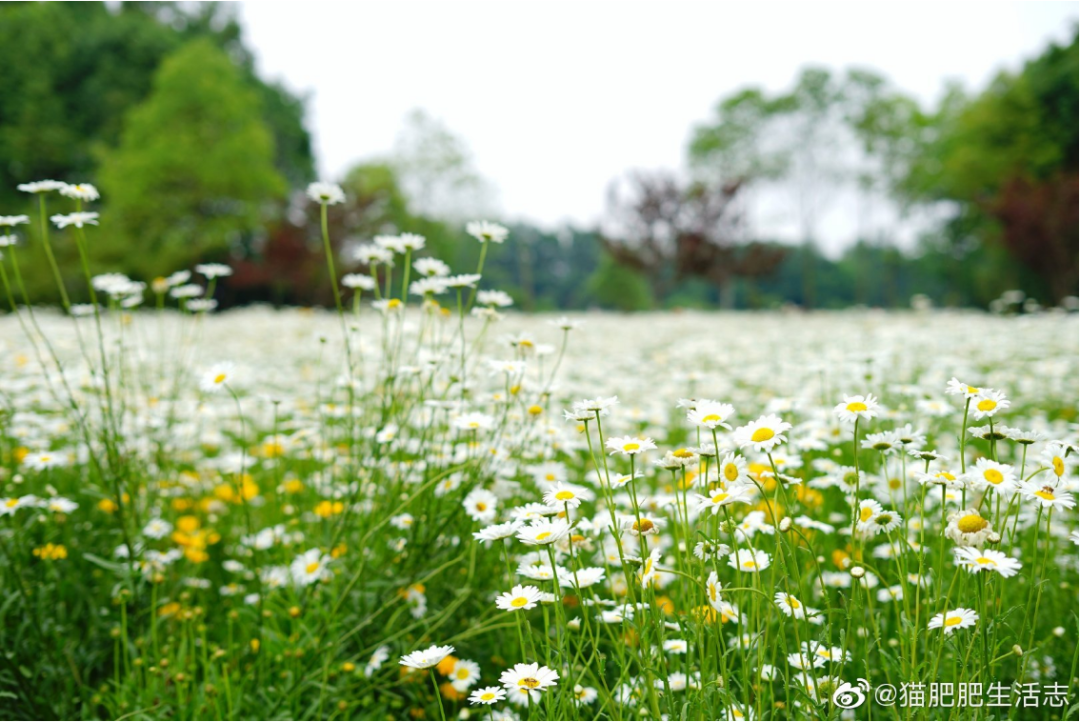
<point>424,505</point>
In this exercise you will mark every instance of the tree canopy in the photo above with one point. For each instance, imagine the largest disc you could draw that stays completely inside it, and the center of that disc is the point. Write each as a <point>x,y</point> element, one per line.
<point>194,167</point>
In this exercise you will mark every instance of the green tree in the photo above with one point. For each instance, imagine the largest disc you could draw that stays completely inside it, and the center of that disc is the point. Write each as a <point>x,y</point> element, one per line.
<point>71,71</point>
<point>1006,161</point>
<point>194,167</point>
<point>615,285</point>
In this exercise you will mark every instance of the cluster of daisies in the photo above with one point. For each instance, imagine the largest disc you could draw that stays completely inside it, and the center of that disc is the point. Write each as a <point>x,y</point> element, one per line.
<point>729,490</point>
<point>522,684</point>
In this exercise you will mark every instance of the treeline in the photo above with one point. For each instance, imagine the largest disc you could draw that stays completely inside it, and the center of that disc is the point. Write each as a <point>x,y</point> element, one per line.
<point>200,160</point>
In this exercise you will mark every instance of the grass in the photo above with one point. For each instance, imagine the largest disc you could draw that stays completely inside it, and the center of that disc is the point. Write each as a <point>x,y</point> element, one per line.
<point>301,490</point>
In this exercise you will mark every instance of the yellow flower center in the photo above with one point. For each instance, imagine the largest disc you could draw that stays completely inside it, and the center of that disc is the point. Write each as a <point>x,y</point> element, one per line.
<point>993,476</point>
<point>866,513</point>
<point>631,446</point>
<point>971,523</point>
<point>856,406</point>
<point>393,303</point>
<point>462,673</point>
<point>953,621</point>
<point>712,418</point>
<point>719,498</point>
<point>984,560</point>
<point>481,506</point>
<point>487,696</point>
<point>1059,466</point>
<point>793,602</point>
<point>565,495</point>
<point>762,434</point>
<point>312,568</point>
<point>643,525</point>
<point>543,535</point>
<point>219,379</point>
<point>519,602</point>
<point>750,564</point>
<point>529,683</point>
<point>987,405</point>
<point>972,390</point>
<point>682,454</point>
<point>1045,493</point>
<point>731,472</point>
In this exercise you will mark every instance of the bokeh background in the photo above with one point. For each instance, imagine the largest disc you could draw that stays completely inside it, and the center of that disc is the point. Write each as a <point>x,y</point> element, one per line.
<point>794,169</point>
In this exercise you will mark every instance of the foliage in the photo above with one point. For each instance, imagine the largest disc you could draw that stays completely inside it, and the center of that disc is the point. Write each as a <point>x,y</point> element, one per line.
<point>194,166</point>
<point>1007,160</point>
<point>672,232</point>
<point>72,74</point>
<point>619,286</point>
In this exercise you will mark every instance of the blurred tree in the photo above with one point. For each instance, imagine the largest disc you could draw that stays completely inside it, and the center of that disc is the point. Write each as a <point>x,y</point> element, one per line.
<point>1007,162</point>
<point>619,286</point>
<point>287,264</point>
<point>789,142</point>
<point>71,71</point>
<point>671,231</point>
<point>194,168</point>
<point>437,171</point>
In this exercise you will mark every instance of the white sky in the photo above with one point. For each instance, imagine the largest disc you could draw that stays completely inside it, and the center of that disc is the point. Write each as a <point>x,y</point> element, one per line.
<point>555,99</point>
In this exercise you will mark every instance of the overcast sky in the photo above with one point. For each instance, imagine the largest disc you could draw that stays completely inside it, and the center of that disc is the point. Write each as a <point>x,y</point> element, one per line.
<point>556,99</point>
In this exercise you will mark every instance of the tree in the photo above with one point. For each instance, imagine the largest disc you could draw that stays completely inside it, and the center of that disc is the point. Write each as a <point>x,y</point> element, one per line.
<point>71,71</point>
<point>671,231</point>
<point>1006,162</point>
<point>194,167</point>
<point>789,143</point>
<point>437,172</point>
<point>616,285</point>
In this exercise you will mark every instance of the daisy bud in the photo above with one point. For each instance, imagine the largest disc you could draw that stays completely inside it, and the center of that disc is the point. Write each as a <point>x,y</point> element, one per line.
<point>858,572</point>
<point>1059,631</point>
<point>785,524</point>
<point>994,538</point>
<point>728,526</point>
<point>1017,650</point>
